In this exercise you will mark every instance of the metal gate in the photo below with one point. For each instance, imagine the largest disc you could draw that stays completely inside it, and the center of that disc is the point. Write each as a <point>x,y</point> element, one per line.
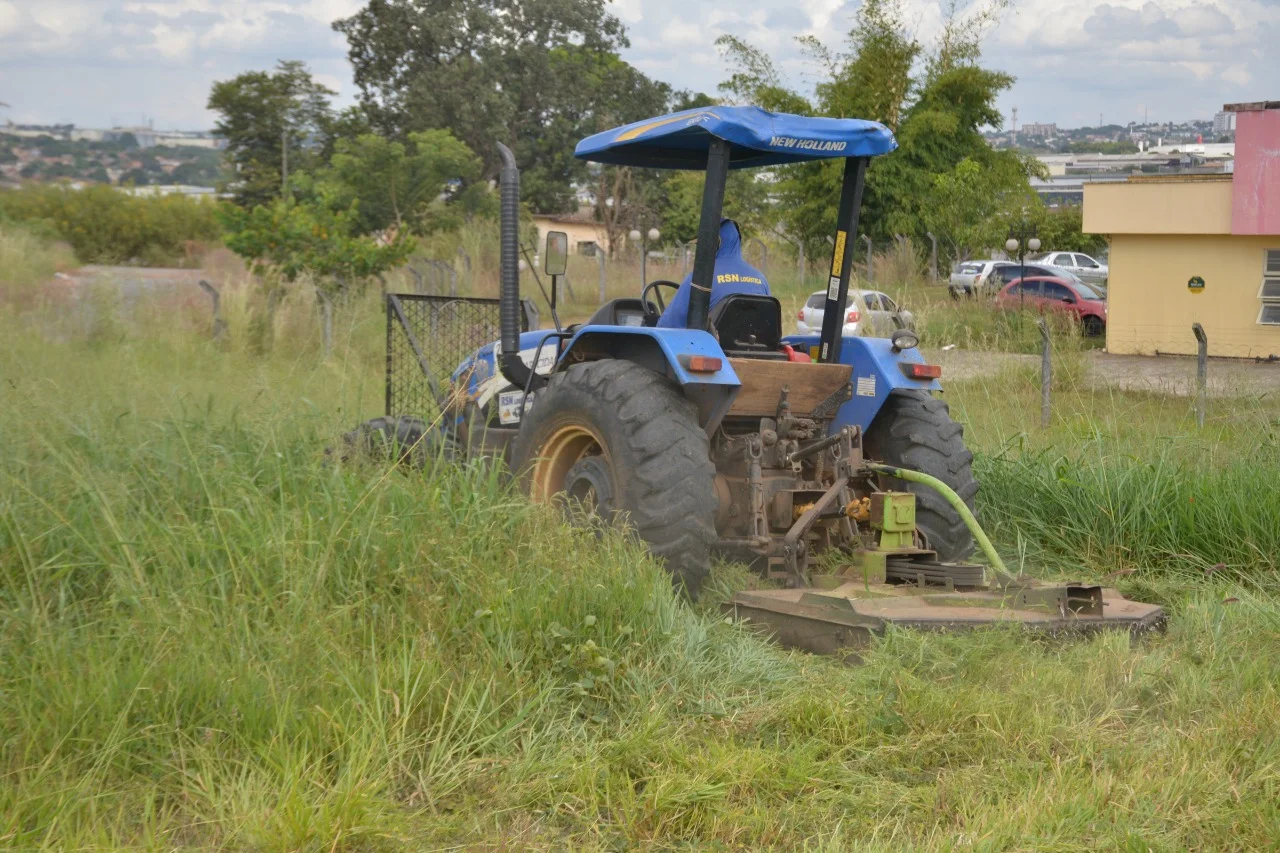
<point>427,337</point>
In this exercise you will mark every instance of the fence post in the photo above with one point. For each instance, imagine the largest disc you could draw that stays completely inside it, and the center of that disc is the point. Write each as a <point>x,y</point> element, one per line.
<point>1046,373</point>
<point>1202,372</point>
<point>326,320</point>
<point>764,253</point>
<point>219,324</point>
<point>933,256</point>
<point>871,276</point>
<point>600,261</point>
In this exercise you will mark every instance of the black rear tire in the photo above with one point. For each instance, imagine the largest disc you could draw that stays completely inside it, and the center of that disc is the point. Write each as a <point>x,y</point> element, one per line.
<point>1093,327</point>
<point>915,430</point>
<point>655,454</point>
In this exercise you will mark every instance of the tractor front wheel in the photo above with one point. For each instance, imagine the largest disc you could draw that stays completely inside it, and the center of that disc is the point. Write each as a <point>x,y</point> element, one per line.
<point>915,430</point>
<point>616,440</point>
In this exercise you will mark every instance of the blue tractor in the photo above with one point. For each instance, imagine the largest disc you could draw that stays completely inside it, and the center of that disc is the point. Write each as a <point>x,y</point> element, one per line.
<point>711,432</point>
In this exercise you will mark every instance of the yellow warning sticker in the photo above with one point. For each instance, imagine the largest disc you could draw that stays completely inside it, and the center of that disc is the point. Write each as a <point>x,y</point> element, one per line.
<point>837,259</point>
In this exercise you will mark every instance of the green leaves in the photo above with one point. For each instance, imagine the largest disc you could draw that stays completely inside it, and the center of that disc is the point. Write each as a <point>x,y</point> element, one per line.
<point>397,183</point>
<point>265,117</point>
<point>536,74</point>
<point>290,238</point>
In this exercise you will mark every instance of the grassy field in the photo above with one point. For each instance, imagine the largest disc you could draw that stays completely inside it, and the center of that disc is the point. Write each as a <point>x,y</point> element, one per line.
<point>213,636</point>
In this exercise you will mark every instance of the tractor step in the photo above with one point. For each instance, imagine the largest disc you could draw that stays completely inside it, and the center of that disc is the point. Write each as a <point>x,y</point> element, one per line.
<point>844,617</point>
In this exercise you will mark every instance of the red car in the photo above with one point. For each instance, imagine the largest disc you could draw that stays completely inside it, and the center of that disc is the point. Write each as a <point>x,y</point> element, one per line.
<point>1045,293</point>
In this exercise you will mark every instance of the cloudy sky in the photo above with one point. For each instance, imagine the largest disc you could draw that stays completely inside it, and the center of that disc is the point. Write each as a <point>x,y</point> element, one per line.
<point>103,62</point>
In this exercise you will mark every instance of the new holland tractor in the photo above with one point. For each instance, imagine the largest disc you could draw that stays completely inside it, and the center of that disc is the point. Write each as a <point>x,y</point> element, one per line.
<point>721,435</point>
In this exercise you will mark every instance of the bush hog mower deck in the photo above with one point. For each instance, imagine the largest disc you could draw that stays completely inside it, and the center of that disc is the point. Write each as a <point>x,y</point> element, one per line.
<point>726,437</point>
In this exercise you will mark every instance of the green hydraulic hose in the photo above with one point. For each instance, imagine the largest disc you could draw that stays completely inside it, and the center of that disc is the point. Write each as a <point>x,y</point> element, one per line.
<point>958,504</point>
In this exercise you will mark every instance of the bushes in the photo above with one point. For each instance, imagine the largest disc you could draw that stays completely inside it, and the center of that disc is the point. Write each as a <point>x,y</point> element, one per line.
<point>106,226</point>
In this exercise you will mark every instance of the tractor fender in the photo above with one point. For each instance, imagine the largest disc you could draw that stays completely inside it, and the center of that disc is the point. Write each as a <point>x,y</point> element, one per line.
<point>877,373</point>
<point>478,375</point>
<point>666,352</point>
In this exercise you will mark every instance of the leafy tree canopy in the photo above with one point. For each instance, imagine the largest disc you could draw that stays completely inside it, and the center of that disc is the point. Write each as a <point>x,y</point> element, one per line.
<point>935,98</point>
<point>400,184</point>
<point>263,115</point>
<point>316,237</point>
<point>535,74</point>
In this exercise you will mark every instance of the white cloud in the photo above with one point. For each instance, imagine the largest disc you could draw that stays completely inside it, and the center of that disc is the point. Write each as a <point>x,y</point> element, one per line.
<point>90,60</point>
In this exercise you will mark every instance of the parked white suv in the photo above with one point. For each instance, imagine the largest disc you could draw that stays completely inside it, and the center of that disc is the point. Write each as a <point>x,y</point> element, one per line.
<point>868,312</point>
<point>1085,267</point>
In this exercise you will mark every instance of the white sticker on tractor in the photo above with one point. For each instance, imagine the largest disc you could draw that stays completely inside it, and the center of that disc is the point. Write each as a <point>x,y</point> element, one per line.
<point>513,406</point>
<point>833,288</point>
<point>867,386</point>
<point>546,359</point>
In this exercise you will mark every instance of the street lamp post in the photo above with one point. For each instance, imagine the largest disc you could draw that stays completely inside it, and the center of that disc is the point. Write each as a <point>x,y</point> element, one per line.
<point>652,235</point>
<point>1021,240</point>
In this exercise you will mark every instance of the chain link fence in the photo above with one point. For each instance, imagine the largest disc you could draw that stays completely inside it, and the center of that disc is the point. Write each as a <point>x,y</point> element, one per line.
<point>427,337</point>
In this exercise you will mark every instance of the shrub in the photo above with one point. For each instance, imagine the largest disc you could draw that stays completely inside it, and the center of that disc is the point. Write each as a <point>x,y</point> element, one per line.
<point>104,225</point>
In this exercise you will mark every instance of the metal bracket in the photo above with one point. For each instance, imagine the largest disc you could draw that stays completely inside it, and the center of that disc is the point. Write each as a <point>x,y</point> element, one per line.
<point>828,406</point>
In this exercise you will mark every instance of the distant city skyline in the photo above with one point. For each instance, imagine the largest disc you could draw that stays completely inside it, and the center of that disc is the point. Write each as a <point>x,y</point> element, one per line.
<point>96,63</point>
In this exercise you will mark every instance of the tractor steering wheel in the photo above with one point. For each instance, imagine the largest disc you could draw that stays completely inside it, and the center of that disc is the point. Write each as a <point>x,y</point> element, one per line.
<point>651,311</point>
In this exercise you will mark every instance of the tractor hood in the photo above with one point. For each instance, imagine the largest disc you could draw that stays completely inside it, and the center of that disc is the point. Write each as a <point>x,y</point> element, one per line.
<point>756,137</point>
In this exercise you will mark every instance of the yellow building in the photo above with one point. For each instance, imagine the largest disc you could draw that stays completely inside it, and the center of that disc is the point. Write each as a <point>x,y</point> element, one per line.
<point>1197,249</point>
<point>585,233</point>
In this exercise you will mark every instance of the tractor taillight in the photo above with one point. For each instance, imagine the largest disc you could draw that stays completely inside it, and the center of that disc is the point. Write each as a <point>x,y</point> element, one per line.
<point>852,316</point>
<point>922,371</point>
<point>800,314</point>
<point>701,363</point>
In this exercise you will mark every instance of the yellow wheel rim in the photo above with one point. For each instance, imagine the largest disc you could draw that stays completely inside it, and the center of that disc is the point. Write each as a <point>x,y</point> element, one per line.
<point>561,452</point>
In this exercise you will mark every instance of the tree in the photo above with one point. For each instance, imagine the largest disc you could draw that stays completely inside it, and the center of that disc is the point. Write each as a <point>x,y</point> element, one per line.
<point>264,114</point>
<point>746,200</point>
<point>936,109</point>
<point>136,177</point>
<point>971,207</point>
<point>536,74</point>
<point>317,237</point>
<point>397,183</point>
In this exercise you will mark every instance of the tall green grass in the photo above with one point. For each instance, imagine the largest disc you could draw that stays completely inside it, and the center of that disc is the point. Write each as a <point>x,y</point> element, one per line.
<point>212,635</point>
<point>27,261</point>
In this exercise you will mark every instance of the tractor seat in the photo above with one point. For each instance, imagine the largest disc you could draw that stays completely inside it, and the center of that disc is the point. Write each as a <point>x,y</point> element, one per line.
<point>749,326</point>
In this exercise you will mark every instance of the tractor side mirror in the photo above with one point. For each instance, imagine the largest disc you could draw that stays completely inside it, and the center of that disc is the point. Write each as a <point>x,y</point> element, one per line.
<point>557,254</point>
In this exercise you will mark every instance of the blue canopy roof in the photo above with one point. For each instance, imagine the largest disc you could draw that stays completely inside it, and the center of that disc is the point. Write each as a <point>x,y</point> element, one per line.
<point>757,137</point>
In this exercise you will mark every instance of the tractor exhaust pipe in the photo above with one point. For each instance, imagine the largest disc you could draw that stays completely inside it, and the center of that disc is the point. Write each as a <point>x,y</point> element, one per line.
<point>511,365</point>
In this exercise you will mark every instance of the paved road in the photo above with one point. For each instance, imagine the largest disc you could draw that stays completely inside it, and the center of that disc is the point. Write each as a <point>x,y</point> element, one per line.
<point>1167,374</point>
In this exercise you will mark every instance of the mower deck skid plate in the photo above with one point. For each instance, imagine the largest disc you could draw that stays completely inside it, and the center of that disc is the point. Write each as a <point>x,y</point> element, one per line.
<point>846,613</point>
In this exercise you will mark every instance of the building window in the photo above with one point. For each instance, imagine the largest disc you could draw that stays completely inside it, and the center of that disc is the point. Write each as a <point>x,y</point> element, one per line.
<point>1269,293</point>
